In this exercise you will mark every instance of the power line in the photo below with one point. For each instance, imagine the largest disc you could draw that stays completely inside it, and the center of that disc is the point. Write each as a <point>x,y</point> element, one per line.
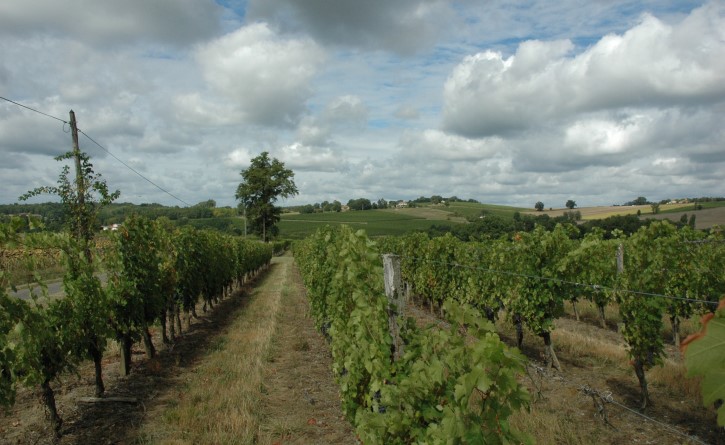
<point>33,109</point>
<point>705,241</point>
<point>103,148</point>
<point>596,287</point>
<point>133,169</point>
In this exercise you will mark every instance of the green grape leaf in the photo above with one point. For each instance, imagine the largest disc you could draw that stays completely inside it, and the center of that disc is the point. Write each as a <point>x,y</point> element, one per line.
<point>705,356</point>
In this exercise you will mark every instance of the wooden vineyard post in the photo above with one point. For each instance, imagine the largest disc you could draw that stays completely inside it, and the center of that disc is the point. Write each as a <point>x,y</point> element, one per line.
<point>620,259</point>
<point>396,305</point>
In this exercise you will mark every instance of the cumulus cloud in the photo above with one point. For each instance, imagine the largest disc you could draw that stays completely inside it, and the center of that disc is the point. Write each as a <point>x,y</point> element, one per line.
<point>654,64</point>
<point>265,76</point>
<point>240,157</point>
<point>402,26</point>
<point>342,113</point>
<point>311,132</point>
<point>314,159</point>
<point>175,22</point>
<point>344,110</point>
<point>432,146</point>
<point>598,102</point>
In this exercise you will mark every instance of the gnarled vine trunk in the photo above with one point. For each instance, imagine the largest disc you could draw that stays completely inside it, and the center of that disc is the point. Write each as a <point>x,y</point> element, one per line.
<point>519,331</point>
<point>675,320</point>
<point>97,356</point>
<point>162,319</point>
<point>48,397</point>
<point>602,318</point>
<point>147,343</point>
<point>551,359</point>
<point>126,343</point>
<point>639,371</point>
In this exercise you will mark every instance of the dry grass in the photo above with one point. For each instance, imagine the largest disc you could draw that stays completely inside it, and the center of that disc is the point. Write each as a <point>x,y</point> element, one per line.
<point>561,413</point>
<point>301,403</point>
<point>266,379</point>
<point>589,312</point>
<point>217,402</point>
<point>577,344</point>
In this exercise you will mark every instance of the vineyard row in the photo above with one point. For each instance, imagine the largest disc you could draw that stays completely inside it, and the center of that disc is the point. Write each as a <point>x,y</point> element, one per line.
<point>658,270</point>
<point>154,274</point>
<point>526,279</point>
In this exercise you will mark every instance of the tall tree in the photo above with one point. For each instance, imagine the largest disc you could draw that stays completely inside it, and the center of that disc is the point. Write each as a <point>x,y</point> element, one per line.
<point>263,183</point>
<point>570,204</point>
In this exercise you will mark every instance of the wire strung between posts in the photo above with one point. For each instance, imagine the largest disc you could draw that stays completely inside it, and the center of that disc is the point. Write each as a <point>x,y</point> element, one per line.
<point>704,241</point>
<point>101,146</point>
<point>33,109</point>
<point>586,389</point>
<point>132,169</point>
<point>596,287</point>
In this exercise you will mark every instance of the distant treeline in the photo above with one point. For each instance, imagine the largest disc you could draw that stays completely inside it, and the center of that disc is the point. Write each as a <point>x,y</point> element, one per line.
<point>367,204</point>
<point>644,201</point>
<point>202,215</point>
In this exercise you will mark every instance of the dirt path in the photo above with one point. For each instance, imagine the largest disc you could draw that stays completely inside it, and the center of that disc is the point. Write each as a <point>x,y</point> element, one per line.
<point>300,402</point>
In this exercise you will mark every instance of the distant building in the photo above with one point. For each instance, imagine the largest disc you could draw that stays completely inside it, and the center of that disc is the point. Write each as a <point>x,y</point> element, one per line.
<point>112,227</point>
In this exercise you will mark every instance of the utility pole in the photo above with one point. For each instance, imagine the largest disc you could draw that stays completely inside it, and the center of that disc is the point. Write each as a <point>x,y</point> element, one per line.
<point>83,230</point>
<point>77,157</point>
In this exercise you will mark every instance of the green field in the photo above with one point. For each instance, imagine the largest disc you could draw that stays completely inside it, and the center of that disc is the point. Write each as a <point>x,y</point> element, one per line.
<point>690,207</point>
<point>374,222</point>
<point>402,221</point>
<point>473,210</point>
<point>390,221</point>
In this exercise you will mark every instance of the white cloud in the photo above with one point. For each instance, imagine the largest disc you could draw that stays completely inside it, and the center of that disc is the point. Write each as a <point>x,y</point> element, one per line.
<point>240,157</point>
<point>595,136</point>
<point>508,103</point>
<point>266,77</point>
<point>348,109</point>
<point>432,146</point>
<point>309,132</point>
<point>651,65</point>
<point>315,159</point>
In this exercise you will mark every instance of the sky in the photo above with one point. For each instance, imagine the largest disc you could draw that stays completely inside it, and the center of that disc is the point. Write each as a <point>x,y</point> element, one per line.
<point>505,102</point>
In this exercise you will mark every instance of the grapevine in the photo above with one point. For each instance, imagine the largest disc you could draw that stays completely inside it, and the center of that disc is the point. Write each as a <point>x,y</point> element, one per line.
<point>445,388</point>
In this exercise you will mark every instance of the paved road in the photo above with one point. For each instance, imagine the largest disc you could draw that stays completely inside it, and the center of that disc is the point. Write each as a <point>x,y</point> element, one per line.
<point>55,289</point>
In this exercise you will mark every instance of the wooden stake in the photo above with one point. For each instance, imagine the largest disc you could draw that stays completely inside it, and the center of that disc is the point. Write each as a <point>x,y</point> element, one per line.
<point>396,305</point>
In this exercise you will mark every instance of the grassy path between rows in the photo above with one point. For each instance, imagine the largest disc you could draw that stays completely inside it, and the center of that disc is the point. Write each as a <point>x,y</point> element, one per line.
<point>265,379</point>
